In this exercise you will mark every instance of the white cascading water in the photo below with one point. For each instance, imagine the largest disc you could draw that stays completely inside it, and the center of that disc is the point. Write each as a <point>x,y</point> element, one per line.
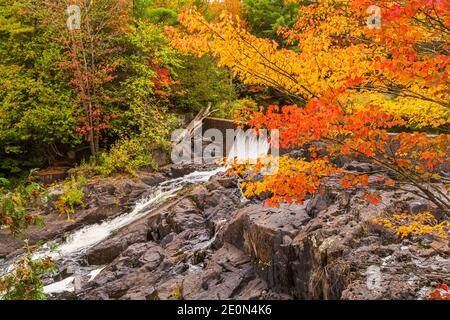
<point>248,146</point>
<point>81,240</point>
<point>76,243</point>
<point>245,147</point>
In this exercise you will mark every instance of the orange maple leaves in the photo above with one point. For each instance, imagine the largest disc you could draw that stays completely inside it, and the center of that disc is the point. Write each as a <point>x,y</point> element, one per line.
<point>357,84</point>
<point>441,293</point>
<point>292,182</point>
<point>411,157</point>
<point>402,67</point>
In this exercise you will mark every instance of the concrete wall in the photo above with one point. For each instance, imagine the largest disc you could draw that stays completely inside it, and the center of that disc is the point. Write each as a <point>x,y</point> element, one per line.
<point>222,125</point>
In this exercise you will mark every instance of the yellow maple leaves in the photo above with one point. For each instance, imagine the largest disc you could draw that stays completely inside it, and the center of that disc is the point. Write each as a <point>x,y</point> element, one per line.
<point>335,47</point>
<point>405,225</point>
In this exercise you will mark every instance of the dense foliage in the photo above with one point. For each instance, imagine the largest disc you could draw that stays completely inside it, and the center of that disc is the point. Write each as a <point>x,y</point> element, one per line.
<point>265,17</point>
<point>351,85</point>
<point>326,76</point>
<point>89,88</point>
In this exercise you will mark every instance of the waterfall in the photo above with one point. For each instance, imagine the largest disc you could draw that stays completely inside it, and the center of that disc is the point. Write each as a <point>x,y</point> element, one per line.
<point>87,237</point>
<point>76,243</point>
<point>249,146</point>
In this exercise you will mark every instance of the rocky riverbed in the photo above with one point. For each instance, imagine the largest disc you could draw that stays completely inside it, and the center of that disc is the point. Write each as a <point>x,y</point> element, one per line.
<point>206,241</point>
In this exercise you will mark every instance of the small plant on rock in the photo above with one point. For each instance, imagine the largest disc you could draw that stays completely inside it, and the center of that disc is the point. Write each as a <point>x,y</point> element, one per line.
<point>126,156</point>
<point>177,292</point>
<point>72,197</point>
<point>25,282</point>
<point>405,225</point>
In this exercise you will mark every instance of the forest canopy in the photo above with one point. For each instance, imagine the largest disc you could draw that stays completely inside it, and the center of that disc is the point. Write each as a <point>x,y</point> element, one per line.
<point>93,91</point>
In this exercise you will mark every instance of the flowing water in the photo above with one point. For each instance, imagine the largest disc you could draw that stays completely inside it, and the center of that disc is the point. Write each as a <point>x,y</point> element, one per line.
<point>248,146</point>
<point>76,244</point>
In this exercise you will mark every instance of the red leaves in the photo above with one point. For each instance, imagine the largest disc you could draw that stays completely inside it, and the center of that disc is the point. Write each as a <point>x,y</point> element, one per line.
<point>441,293</point>
<point>346,183</point>
<point>163,79</point>
<point>255,89</point>
<point>354,80</point>
<point>345,149</point>
<point>349,181</point>
<point>374,199</point>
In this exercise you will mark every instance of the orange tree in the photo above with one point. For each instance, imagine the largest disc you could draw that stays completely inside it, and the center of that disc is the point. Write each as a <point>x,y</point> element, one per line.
<point>92,55</point>
<point>351,82</point>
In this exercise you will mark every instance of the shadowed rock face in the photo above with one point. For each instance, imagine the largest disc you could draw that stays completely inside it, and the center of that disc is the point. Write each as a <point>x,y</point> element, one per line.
<point>210,244</point>
<point>178,246</point>
<point>104,199</point>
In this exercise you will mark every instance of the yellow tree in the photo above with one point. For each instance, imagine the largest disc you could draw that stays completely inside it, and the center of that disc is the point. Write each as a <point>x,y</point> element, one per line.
<point>233,7</point>
<point>402,67</point>
<point>358,71</point>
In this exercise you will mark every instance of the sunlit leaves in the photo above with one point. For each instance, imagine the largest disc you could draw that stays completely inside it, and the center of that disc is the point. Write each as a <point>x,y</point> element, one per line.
<point>406,225</point>
<point>402,67</point>
<point>292,182</point>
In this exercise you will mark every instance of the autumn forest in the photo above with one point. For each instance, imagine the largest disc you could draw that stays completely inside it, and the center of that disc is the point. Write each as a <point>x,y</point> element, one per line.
<point>347,196</point>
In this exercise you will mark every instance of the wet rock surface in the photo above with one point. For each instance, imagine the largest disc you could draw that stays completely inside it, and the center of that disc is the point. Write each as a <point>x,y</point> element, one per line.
<point>209,243</point>
<point>174,249</point>
<point>105,198</point>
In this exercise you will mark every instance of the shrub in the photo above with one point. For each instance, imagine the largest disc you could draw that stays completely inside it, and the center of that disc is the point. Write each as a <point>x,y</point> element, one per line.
<point>161,15</point>
<point>201,81</point>
<point>241,109</point>
<point>4,184</point>
<point>72,197</point>
<point>126,156</point>
<point>25,282</point>
<point>15,205</point>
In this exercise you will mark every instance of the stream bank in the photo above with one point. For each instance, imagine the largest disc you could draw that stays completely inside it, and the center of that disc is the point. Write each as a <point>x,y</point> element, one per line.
<point>207,242</point>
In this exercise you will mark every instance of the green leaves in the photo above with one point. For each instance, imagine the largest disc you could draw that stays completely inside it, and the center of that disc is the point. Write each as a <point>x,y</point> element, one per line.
<point>161,15</point>
<point>15,213</point>
<point>265,16</point>
<point>25,282</point>
<point>35,99</point>
<point>201,82</point>
<point>72,197</point>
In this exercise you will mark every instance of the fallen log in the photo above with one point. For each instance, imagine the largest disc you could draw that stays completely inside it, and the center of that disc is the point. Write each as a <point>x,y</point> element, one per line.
<point>194,124</point>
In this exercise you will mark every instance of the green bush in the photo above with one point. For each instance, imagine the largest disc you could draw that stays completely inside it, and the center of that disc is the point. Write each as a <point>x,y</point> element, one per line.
<point>263,17</point>
<point>126,156</point>
<point>201,82</point>
<point>4,184</point>
<point>161,15</point>
<point>236,109</point>
<point>72,197</point>
<point>25,282</point>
